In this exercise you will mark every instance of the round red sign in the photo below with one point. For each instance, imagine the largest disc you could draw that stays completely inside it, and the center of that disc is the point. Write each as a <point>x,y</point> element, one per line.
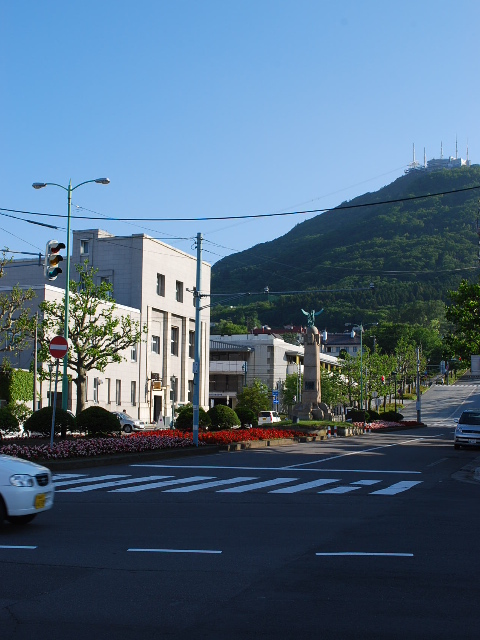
<point>58,347</point>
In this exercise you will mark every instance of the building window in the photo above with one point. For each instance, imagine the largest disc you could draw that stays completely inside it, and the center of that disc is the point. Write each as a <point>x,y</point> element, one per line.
<point>84,247</point>
<point>133,353</point>
<point>190,391</point>
<point>160,284</point>
<point>107,280</point>
<point>133,393</point>
<point>118,392</point>
<point>109,397</point>
<point>179,291</point>
<point>191,344</point>
<point>156,344</point>
<point>355,349</point>
<point>174,341</point>
<point>95,390</point>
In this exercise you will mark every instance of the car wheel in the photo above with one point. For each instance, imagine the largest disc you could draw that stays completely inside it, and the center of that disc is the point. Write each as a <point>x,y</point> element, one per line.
<point>21,519</point>
<point>456,446</point>
<point>127,428</point>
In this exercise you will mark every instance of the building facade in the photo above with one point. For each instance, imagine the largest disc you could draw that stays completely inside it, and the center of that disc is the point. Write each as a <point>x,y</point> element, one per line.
<point>157,281</point>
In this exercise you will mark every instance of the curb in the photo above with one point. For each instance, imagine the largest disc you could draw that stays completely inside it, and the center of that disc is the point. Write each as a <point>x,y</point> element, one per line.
<point>127,458</point>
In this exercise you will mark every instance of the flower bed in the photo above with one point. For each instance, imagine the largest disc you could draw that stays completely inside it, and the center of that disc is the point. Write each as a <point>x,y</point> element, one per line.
<point>138,442</point>
<point>378,425</point>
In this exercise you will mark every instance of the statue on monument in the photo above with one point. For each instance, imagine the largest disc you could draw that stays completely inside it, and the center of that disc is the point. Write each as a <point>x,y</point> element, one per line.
<point>311,315</point>
<point>311,406</point>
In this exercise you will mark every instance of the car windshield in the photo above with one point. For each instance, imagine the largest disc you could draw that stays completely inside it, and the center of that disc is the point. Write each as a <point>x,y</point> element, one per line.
<point>470,418</point>
<point>125,415</point>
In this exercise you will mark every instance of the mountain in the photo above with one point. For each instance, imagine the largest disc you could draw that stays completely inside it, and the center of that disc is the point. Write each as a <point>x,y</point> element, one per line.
<point>413,251</point>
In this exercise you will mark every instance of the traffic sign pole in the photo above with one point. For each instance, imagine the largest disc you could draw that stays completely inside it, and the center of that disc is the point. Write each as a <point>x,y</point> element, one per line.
<point>54,405</point>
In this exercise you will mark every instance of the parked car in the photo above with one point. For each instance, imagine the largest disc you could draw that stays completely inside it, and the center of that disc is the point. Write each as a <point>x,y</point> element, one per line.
<point>467,432</point>
<point>26,489</point>
<point>268,417</point>
<point>129,424</point>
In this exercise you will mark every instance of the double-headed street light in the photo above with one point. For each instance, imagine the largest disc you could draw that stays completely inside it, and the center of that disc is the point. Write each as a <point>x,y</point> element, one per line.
<point>361,327</point>
<point>69,189</point>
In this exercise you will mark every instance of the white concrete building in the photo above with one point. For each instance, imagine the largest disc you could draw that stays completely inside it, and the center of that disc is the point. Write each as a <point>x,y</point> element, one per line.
<point>151,279</point>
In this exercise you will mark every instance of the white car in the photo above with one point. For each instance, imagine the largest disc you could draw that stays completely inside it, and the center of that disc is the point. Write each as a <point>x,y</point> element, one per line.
<point>467,431</point>
<point>268,417</point>
<point>26,489</point>
<point>129,424</point>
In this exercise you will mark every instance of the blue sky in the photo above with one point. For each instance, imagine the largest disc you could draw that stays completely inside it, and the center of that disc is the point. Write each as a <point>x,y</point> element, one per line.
<point>224,107</point>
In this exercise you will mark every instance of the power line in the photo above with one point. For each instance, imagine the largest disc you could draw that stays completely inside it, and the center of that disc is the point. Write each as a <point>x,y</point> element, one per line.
<point>249,216</point>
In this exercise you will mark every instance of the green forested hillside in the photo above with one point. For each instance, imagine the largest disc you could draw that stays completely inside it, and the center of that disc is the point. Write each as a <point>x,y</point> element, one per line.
<point>413,251</point>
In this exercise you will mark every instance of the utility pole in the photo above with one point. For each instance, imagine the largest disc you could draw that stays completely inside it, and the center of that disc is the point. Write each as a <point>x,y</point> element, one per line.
<point>419,401</point>
<point>35,364</point>
<point>198,329</point>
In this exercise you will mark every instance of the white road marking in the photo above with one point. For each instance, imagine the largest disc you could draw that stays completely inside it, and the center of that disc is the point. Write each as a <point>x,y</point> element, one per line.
<point>154,485</point>
<point>208,485</point>
<point>356,453</point>
<point>340,490</point>
<point>16,546</point>
<point>365,553</point>
<point>65,476</point>
<point>174,550</point>
<point>214,467</point>
<point>398,487</point>
<point>305,485</point>
<point>113,483</point>
<point>365,482</point>
<point>63,483</point>
<point>257,485</point>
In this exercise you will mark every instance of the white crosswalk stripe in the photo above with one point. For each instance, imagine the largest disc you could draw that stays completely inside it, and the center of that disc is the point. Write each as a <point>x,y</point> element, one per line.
<point>79,483</point>
<point>112,483</point>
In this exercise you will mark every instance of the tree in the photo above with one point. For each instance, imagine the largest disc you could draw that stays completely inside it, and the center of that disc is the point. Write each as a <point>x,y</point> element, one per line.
<point>16,322</point>
<point>97,334</point>
<point>228,328</point>
<point>255,397</point>
<point>292,388</point>
<point>464,314</point>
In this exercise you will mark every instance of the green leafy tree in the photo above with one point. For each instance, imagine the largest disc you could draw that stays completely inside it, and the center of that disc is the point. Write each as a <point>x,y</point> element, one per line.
<point>98,334</point>
<point>291,390</point>
<point>255,397</point>
<point>464,314</point>
<point>16,323</point>
<point>228,328</point>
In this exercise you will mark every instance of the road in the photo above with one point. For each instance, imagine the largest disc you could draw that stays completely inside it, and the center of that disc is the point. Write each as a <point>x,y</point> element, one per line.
<point>365,537</point>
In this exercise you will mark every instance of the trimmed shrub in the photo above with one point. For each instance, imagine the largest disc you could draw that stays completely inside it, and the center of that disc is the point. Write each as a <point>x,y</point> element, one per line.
<point>222,417</point>
<point>373,415</point>
<point>97,421</point>
<point>41,422</point>
<point>246,416</point>
<point>356,415</point>
<point>20,410</point>
<point>391,416</point>
<point>8,422</point>
<point>184,420</point>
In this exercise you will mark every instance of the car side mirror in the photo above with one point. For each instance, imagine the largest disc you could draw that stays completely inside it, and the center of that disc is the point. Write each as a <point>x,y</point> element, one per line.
<point>456,420</point>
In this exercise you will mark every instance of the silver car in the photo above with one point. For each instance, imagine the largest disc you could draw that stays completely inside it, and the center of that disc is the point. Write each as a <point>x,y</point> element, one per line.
<point>129,424</point>
<point>467,431</point>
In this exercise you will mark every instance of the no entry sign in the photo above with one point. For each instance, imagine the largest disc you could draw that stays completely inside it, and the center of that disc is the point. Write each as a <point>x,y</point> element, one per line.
<point>58,347</point>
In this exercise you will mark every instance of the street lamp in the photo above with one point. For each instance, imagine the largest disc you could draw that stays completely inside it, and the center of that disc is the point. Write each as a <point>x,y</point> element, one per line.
<point>394,374</point>
<point>360,327</point>
<point>69,189</point>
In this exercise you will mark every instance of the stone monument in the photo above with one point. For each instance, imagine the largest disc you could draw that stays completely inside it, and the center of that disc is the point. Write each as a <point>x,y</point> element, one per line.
<point>311,407</point>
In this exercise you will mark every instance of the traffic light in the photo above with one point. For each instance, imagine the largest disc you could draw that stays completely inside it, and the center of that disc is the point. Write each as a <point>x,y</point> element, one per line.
<point>52,259</point>
<point>383,379</point>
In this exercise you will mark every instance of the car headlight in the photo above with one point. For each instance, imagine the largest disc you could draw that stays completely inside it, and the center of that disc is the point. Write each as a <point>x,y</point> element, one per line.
<point>21,480</point>
<point>459,429</point>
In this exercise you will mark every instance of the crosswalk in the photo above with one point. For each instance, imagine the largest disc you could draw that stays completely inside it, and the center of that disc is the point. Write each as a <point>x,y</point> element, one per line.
<point>114,483</point>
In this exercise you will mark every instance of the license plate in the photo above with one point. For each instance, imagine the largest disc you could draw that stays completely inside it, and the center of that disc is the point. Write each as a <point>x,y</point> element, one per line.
<point>472,442</point>
<point>40,499</point>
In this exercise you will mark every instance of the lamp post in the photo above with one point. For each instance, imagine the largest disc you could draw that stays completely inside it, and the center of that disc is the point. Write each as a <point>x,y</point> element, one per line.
<point>69,189</point>
<point>361,327</point>
<point>394,374</point>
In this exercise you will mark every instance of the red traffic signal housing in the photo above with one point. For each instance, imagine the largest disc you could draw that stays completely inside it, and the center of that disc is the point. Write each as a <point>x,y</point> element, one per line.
<point>52,259</point>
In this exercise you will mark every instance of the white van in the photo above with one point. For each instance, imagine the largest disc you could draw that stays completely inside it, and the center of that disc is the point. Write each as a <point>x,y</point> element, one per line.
<point>268,417</point>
